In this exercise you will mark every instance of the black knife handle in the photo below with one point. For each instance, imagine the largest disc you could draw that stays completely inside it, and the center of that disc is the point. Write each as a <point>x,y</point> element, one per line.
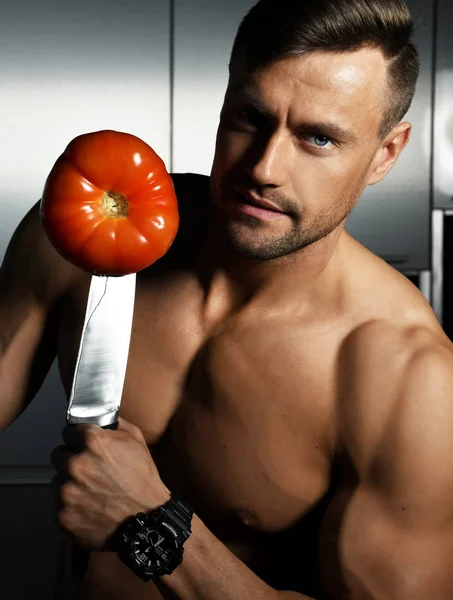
<point>80,557</point>
<point>112,426</point>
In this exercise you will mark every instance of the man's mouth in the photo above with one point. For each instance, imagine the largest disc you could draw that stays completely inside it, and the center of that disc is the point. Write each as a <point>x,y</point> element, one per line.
<point>249,203</point>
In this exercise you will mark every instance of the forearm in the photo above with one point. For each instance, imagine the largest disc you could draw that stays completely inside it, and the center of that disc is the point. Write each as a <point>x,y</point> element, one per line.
<point>209,571</point>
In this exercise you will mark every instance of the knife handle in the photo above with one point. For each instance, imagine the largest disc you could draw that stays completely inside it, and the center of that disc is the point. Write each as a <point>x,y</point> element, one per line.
<point>112,426</point>
<point>80,557</point>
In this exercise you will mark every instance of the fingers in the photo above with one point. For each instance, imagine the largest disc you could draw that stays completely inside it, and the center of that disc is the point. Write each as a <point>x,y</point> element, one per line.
<point>75,436</point>
<point>60,458</point>
<point>124,425</point>
<point>58,480</point>
<point>78,436</point>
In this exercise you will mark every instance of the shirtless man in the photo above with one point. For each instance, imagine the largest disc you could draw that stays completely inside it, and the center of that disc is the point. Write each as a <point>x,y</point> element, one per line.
<point>290,385</point>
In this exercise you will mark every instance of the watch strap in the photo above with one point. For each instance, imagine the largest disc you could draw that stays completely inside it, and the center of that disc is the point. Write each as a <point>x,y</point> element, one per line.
<point>179,513</point>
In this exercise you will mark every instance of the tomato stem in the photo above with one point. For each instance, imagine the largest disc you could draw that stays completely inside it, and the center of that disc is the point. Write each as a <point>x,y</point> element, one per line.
<point>114,205</point>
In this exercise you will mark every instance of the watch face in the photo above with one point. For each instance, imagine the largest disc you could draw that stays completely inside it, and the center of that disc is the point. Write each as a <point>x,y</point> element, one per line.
<point>153,546</point>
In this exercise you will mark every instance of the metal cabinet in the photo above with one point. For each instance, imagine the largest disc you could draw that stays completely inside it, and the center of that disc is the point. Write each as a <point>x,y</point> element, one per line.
<point>392,218</point>
<point>443,116</point>
<point>69,68</point>
<point>442,248</point>
<point>204,34</point>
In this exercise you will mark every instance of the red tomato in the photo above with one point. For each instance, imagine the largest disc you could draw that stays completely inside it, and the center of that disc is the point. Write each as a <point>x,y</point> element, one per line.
<point>109,205</point>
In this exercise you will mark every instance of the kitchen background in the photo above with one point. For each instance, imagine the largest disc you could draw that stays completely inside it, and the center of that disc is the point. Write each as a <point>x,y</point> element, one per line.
<point>158,69</point>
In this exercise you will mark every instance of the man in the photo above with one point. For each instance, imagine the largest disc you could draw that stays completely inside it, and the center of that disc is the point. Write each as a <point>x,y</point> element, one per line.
<point>293,389</point>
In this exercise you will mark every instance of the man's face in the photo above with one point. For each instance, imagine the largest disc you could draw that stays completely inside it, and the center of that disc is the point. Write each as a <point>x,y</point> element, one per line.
<point>300,135</point>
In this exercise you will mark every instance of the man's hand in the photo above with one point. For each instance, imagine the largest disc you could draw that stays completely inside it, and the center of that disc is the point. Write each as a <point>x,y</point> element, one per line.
<point>102,478</point>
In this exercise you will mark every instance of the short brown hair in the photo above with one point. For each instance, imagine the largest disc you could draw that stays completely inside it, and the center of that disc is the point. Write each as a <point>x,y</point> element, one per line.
<point>277,29</point>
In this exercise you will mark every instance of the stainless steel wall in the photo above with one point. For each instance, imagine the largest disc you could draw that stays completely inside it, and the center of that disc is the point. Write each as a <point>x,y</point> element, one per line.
<point>69,67</point>
<point>393,218</point>
<point>442,243</point>
<point>443,121</point>
<point>74,66</point>
<point>203,40</point>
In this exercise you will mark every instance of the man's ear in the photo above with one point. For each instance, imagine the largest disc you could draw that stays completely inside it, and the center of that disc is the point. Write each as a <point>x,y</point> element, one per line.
<point>388,152</point>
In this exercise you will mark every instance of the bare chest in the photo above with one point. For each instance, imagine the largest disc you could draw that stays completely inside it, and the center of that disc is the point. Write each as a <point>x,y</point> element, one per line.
<point>239,421</point>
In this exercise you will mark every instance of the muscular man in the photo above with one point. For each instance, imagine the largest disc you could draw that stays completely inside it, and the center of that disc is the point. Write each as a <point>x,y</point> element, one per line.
<point>289,385</point>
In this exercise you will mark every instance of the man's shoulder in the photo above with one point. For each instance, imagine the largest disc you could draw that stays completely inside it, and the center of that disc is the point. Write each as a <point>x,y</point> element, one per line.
<point>190,183</point>
<point>389,348</point>
<point>395,378</point>
<point>194,206</point>
<point>378,339</point>
<point>391,315</point>
<point>32,266</point>
<point>193,194</point>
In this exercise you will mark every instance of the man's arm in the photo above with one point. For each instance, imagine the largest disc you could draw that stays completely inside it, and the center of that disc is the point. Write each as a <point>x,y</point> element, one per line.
<point>209,571</point>
<point>397,531</point>
<point>33,279</point>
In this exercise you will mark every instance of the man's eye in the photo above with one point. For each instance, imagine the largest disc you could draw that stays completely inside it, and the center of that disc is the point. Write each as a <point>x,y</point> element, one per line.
<point>321,141</point>
<point>245,116</point>
<point>249,117</point>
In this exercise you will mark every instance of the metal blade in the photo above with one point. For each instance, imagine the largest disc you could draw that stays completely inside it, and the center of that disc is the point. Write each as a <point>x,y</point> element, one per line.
<point>100,370</point>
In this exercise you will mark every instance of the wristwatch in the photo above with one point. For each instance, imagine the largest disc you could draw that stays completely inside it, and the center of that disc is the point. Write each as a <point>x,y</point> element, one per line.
<point>152,544</point>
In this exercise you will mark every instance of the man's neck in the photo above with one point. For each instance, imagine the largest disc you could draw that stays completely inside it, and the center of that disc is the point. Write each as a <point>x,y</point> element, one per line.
<point>298,281</point>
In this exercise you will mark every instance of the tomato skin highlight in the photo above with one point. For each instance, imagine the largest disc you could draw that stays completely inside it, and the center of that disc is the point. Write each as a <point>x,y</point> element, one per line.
<point>109,205</point>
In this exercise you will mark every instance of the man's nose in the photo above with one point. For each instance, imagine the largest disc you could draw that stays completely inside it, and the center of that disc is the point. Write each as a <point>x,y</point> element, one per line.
<point>271,161</point>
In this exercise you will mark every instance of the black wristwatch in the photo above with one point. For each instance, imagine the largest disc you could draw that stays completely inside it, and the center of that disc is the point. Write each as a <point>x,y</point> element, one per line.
<point>152,544</point>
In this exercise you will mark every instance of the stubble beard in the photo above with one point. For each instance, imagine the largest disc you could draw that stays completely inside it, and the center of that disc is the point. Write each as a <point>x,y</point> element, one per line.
<point>249,238</point>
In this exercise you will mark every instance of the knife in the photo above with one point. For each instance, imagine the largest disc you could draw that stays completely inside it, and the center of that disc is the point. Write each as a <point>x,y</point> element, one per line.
<point>100,369</point>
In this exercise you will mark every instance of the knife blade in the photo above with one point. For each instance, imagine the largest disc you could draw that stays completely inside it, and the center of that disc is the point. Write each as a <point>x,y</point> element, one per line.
<point>100,369</point>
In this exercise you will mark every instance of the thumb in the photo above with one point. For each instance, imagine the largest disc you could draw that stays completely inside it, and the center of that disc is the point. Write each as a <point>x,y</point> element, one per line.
<point>135,431</point>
